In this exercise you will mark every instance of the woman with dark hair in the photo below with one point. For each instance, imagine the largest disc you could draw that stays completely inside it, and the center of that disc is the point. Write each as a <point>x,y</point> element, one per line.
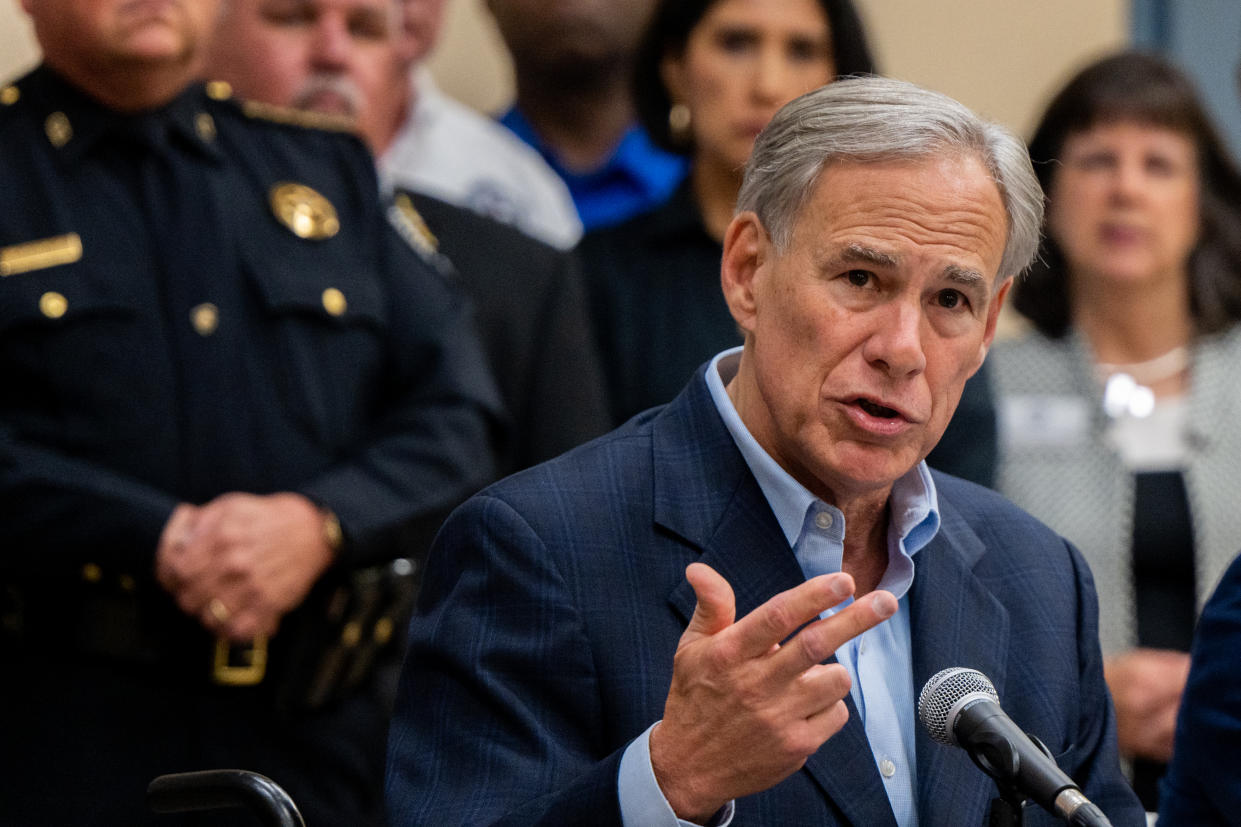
<point>710,75</point>
<point>1118,410</point>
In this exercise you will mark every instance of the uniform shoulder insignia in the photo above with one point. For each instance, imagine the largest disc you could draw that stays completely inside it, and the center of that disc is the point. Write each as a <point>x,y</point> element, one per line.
<point>297,117</point>
<point>410,226</point>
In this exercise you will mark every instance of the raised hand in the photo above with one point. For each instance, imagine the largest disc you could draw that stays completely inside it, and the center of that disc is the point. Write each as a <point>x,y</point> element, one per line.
<point>748,703</point>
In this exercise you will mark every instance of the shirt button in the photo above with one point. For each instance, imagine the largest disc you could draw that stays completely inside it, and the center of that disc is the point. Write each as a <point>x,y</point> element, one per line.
<point>887,768</point>
<point>53,305</point>
<point>334,301</point>
<point>823,520</point>
<point>205,318</point>
<point>58,129</point>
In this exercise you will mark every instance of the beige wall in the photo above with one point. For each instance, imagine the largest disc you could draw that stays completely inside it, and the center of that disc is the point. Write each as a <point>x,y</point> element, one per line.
<point>470,62</point>
<point>1001,57</point>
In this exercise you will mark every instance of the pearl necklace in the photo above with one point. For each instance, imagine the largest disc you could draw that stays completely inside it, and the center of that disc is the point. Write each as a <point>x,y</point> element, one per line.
<point>1126,387</point>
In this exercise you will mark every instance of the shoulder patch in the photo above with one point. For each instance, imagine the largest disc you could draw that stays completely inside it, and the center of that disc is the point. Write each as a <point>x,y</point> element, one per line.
<point>297,117</point>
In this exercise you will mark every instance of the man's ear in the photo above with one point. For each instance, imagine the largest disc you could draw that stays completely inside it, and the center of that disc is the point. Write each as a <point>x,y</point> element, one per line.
<point>746,248</point>
<point>993,317</point>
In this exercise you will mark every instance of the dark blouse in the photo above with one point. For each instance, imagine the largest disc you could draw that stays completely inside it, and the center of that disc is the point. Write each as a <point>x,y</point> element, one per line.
<point>1163,584</point>
<point>659,313</point>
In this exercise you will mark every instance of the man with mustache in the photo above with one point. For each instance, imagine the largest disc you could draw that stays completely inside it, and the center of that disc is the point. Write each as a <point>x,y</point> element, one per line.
<point>363,58</point>
<point>350,57</point>
<point>235,391</point>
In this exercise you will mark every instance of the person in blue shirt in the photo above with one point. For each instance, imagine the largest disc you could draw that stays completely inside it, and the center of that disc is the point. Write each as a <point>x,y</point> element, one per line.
<point>721,611</point>
<point>573,64</point>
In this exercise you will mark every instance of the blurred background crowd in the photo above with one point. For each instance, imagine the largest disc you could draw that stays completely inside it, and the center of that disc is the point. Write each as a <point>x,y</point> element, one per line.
<point>576,170</point>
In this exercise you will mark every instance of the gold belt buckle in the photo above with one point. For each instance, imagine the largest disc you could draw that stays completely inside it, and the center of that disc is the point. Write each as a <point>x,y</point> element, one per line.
<point>239,664</point>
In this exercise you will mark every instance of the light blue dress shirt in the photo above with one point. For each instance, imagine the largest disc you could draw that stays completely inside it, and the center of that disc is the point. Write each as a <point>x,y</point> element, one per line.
<point>879,661</point>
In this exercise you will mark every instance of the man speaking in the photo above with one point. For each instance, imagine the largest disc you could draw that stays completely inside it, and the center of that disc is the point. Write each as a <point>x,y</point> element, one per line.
<point>721,612</point>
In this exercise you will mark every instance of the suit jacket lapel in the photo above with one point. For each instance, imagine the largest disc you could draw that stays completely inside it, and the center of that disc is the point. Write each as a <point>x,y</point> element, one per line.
<point>705,493</point>
<point>956,621</point>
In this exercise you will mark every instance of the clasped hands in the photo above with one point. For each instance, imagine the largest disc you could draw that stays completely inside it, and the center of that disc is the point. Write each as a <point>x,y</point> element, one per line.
<point>240,562</point>
<point>749,704</point>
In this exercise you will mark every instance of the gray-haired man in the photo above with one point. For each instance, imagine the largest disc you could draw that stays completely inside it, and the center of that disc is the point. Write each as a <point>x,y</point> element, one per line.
<point>631,634</point>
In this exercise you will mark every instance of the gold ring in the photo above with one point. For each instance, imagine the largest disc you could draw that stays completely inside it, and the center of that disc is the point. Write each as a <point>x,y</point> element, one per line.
<point>218,610</point>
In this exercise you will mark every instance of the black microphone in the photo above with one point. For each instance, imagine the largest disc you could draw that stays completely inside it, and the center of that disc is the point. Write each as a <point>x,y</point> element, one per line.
<point>960,707</point>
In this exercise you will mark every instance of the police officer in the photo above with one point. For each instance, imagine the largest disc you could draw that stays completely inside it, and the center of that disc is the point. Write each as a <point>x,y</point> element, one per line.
<point>229,386</point>
<point>529,296</point>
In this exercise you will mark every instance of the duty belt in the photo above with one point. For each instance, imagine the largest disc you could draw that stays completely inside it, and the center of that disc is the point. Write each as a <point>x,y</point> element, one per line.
<point>327,647</point>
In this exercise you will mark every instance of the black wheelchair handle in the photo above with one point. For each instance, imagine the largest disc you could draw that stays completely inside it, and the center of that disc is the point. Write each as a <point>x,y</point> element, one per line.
<point>215,789</point>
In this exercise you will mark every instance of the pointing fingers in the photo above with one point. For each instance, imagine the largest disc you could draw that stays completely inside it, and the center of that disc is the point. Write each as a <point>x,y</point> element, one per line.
<point>819,640</point>
<point>771,623</point>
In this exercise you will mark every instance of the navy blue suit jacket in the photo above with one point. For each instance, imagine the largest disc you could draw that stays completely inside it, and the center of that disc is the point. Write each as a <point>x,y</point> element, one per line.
<point>554,600</point>
<point>1203,783</point>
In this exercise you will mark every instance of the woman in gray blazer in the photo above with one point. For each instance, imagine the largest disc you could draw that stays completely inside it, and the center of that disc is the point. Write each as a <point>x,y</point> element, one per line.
<point>1117,424</point>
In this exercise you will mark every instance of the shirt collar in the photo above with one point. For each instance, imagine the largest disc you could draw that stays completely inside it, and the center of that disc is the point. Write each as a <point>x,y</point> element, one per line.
<point>636,158</point>
<point>914,501</point>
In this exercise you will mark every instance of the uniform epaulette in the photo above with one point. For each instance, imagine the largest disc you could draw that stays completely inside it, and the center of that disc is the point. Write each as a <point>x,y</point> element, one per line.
<point>297,117</point>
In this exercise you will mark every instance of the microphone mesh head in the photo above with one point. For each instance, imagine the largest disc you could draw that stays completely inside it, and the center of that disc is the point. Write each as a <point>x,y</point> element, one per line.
<point>943,691</point>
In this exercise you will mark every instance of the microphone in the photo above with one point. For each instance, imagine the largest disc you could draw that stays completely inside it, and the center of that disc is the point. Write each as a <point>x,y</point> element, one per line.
<point>960,707</point>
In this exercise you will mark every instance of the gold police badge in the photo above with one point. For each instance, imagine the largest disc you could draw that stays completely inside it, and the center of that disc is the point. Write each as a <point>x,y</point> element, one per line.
<point>304,211</point>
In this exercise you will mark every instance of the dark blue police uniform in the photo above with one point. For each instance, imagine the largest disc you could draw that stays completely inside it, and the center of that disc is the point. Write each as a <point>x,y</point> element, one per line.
<point>197,300</point>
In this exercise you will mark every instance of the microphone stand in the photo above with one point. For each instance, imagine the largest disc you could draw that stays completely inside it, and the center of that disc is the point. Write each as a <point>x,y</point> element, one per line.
<point>1006,810</point>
